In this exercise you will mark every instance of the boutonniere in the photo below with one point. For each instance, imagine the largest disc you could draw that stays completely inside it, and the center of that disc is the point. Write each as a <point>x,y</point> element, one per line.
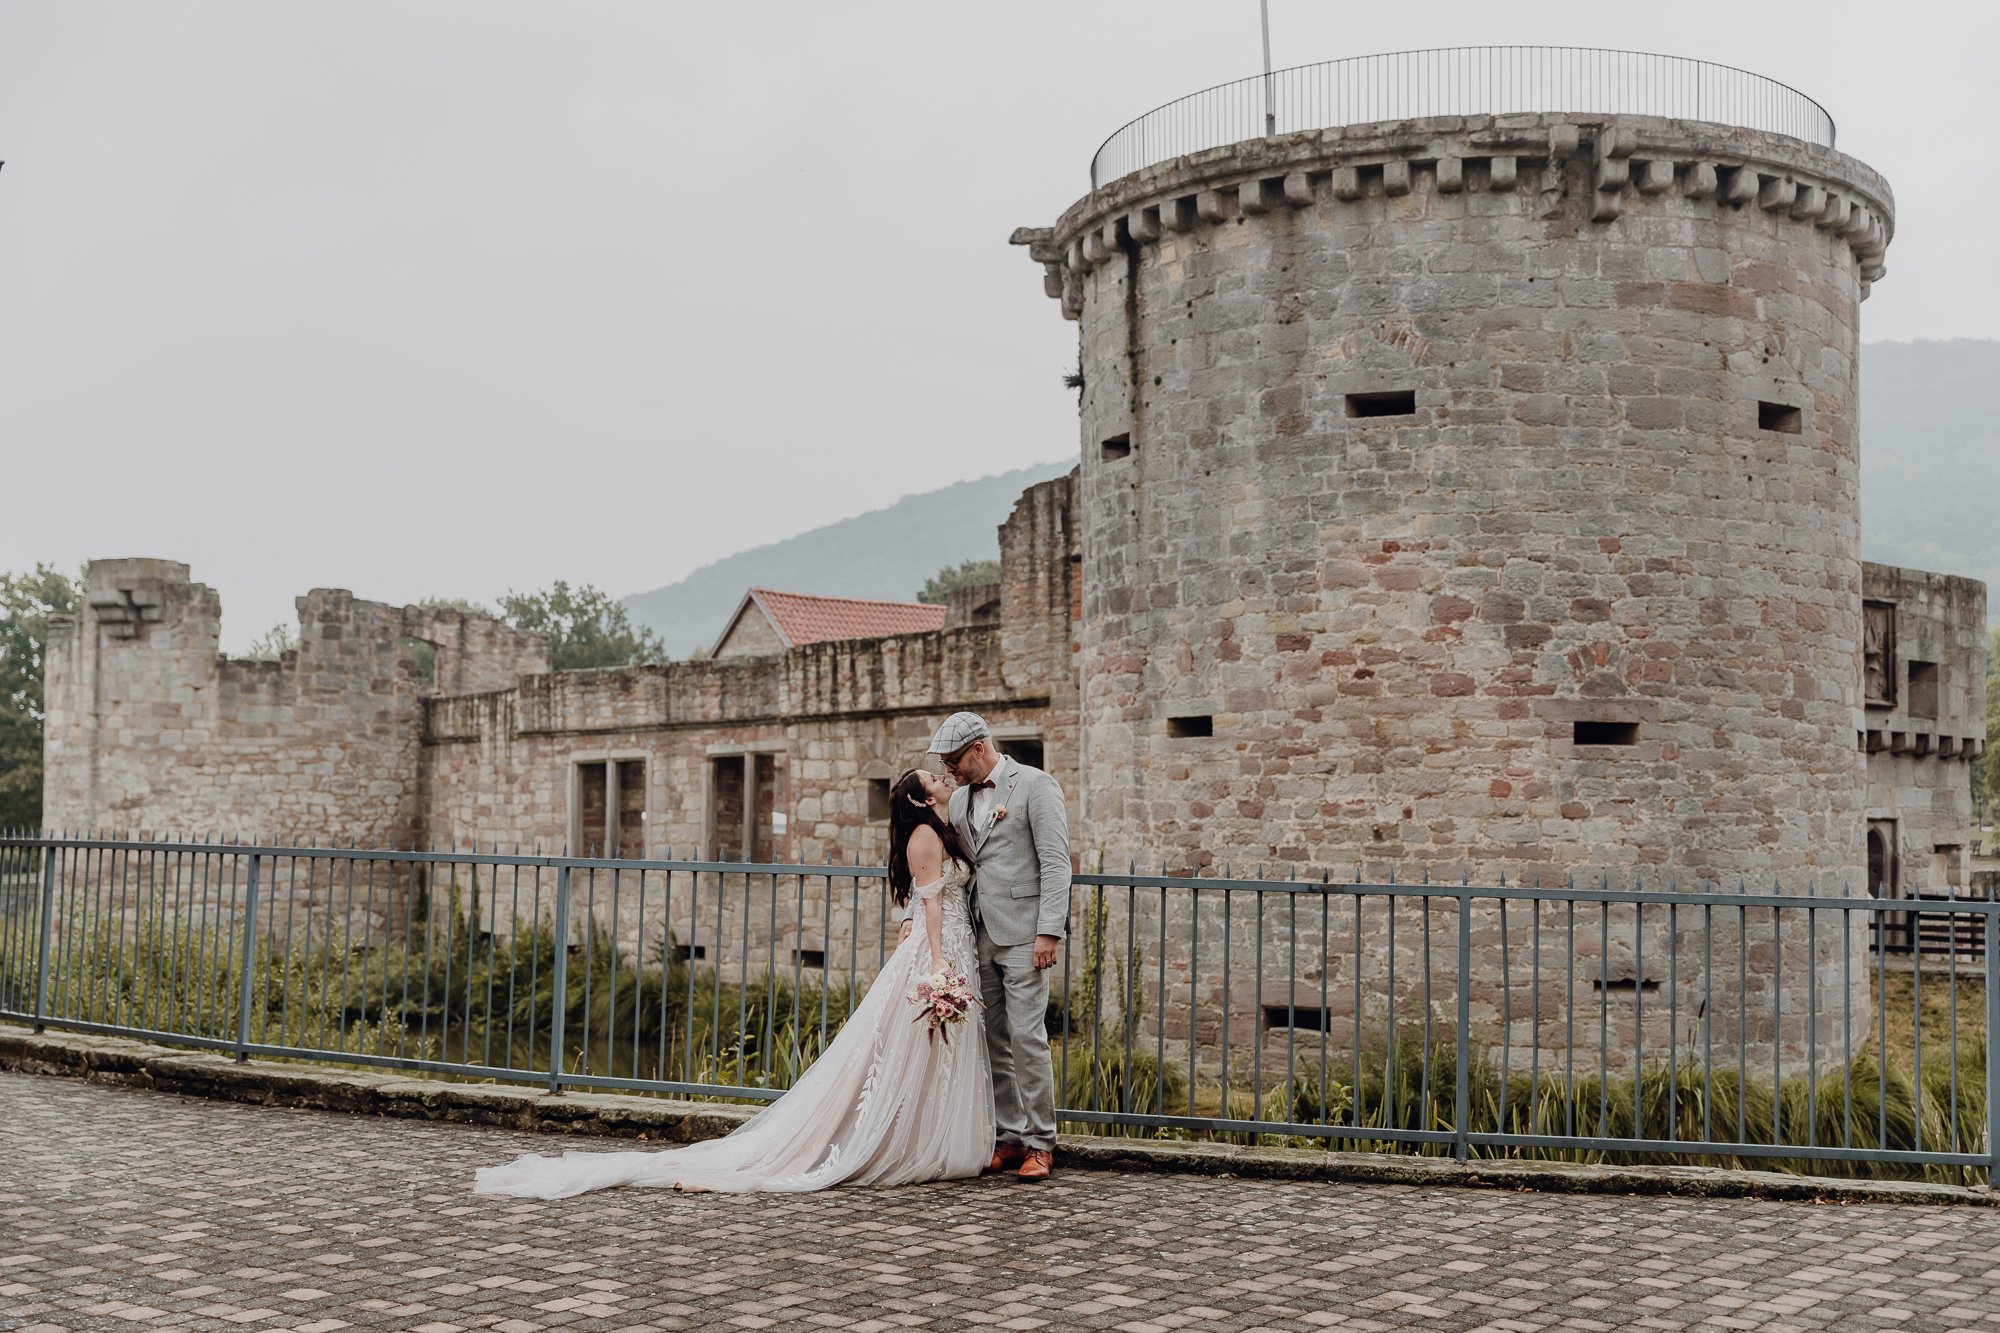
<point>999,812</point>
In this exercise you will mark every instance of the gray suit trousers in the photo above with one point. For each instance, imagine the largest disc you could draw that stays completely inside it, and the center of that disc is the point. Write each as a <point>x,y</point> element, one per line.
<point>1016,997</point>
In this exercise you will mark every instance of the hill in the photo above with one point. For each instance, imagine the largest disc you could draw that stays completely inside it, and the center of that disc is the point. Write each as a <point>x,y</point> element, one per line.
<point>1930,458</point>
<point>851,558</point>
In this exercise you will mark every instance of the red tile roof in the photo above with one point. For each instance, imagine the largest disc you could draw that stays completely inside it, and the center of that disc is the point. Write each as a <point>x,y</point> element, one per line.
<point>805,618</point>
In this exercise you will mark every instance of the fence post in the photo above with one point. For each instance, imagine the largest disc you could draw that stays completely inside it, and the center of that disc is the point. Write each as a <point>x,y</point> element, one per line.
<point>1992,1063</point>
<point>248,964</point>
<point>1462,1147</point>
<point>42,950</point>
<point>560,1001</point>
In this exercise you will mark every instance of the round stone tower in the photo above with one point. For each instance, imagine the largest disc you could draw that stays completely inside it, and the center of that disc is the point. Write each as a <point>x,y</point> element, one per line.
<point>1475,494</point>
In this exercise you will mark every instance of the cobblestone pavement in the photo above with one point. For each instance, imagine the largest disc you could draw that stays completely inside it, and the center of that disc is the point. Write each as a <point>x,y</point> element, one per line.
<point>123,1208</point>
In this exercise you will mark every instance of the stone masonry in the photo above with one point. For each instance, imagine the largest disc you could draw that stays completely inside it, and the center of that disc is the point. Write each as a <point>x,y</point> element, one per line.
<point>1472,497</point>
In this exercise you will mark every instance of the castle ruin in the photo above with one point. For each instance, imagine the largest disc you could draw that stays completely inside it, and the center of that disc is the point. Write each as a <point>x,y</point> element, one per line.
<point>1459,496</point>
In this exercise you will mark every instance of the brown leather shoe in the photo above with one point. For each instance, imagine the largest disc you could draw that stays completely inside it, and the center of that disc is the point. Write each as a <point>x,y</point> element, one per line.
<point>1037,1164</point>
<point>1006,1156</point>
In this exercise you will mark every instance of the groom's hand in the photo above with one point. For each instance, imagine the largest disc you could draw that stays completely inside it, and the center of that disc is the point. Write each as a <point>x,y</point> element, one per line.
<point>1045,952</point>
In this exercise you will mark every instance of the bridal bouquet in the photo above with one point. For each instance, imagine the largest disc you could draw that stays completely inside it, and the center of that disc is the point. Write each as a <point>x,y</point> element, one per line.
<point>944,998</point>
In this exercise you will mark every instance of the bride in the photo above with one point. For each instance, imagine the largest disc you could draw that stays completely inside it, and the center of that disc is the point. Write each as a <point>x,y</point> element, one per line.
<point>885,1103</point>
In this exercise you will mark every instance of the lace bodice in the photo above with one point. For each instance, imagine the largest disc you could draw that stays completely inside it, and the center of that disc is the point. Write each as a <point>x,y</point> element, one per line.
<point>956,928</point>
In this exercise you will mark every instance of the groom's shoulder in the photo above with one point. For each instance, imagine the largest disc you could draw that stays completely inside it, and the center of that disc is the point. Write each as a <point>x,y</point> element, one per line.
<point>1031,775</point>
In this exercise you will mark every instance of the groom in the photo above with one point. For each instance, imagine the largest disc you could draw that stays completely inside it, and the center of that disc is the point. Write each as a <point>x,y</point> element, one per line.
<point>1014,823</point>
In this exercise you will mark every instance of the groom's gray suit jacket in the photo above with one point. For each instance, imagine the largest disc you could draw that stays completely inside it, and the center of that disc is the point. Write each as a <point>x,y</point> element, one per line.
<point>1023,880</point>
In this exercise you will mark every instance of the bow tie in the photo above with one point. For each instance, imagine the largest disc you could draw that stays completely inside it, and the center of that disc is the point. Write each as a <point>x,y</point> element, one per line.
<point>979,786</point>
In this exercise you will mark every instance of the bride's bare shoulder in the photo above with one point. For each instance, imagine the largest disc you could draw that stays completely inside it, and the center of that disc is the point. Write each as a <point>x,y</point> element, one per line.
<point>925,839</point>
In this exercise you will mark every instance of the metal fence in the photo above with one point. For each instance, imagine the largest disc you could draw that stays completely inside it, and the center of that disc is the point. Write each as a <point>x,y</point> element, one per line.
<point>1459,81</point>
<point>1567,1021</point>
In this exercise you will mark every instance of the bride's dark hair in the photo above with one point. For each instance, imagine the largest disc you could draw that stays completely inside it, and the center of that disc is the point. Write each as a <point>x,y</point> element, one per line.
<point>908,811</point>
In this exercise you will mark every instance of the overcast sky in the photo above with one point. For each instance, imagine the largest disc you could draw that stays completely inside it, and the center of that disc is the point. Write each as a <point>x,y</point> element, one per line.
<point>439,299</point>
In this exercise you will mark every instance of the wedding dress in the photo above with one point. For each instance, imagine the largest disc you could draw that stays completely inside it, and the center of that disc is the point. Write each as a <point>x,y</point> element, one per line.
<point>885,1104</point>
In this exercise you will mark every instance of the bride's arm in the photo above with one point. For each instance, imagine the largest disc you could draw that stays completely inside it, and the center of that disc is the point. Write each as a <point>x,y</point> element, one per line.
<point>927,873</point>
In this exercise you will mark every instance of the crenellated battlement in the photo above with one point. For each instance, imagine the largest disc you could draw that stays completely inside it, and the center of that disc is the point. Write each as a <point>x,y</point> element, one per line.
<point>1594,166</point>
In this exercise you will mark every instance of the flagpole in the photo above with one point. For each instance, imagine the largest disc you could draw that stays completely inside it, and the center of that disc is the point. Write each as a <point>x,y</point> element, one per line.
<point>1270,106</point>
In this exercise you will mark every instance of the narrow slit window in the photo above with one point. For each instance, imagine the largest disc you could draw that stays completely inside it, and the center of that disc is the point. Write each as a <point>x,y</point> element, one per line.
<point>878,800</point>
<point>689,952</point>
<point>1393,403</point>
<point>1780,417</point>
<point>1624,986</point>
<point>1604,733</point>
<point>812,958</point>
<point>1300,1019</point>
<point>1202,725</point>
<point>1117,447</point>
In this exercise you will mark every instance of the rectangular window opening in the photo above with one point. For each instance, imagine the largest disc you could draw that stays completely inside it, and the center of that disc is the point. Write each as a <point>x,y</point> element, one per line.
<point>1299,1019</point>
<point>1026,750</point>
<point>1117,447</point>
<point>725,809</point>
<point>591,796</point>
<point>1624,986</point>
<point>1392,403</point>
<point>1923,697</point>
<point>1203,725</point>
<point>1604,733</point>
<point>811,958</point>
<point>1780,417</point>
<point>878,800</point>
<point>689,952</point>
<point>1878,654</point>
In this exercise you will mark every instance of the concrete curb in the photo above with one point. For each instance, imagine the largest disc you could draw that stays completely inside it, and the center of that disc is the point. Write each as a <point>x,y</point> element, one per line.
<point>116,1060</point>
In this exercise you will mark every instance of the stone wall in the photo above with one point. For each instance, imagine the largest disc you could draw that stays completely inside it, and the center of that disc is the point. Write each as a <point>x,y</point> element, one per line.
<point>1475,496</point>
<point>1479,497</point>
<point>1924,695</point>
<point>833,718</point>
<point>150,728</point>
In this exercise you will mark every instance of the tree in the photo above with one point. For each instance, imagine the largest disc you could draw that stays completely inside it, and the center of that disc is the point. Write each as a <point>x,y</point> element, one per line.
<point>583,626</point>
<point>939,587</point>
<point>1986,768</point>
<point>26,603</point>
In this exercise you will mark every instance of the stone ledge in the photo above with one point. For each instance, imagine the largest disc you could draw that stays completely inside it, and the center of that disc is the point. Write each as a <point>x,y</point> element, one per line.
<point>117,1060</point>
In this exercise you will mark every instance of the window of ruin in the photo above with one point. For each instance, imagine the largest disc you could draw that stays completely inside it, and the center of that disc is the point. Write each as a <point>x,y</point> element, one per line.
<point>746,808</point>
<point>1624,985</point>
<point>1780,417</point>
<point>1117,447</point>
<point>1201,725</point>
<point>1884,877</point>
<point>878,800</point>
<point>609,815</point>
<point>1878,654</point>
<point>1948,863</point>
<point>1604,733</point>
<point>811,958</point>
<point>687,953</point>
<point>725,808</point>
<point>1923,697</point>
<point>1026,750</point>
<point>1390,403</point>
<point>1297,1017</point>
<point>424,653</point>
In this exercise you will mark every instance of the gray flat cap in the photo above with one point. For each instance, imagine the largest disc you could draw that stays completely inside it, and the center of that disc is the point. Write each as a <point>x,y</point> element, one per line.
<point>959,730</point>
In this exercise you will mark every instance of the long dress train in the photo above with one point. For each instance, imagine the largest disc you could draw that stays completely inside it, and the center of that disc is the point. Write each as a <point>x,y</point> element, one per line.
<point>885,1103</point>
